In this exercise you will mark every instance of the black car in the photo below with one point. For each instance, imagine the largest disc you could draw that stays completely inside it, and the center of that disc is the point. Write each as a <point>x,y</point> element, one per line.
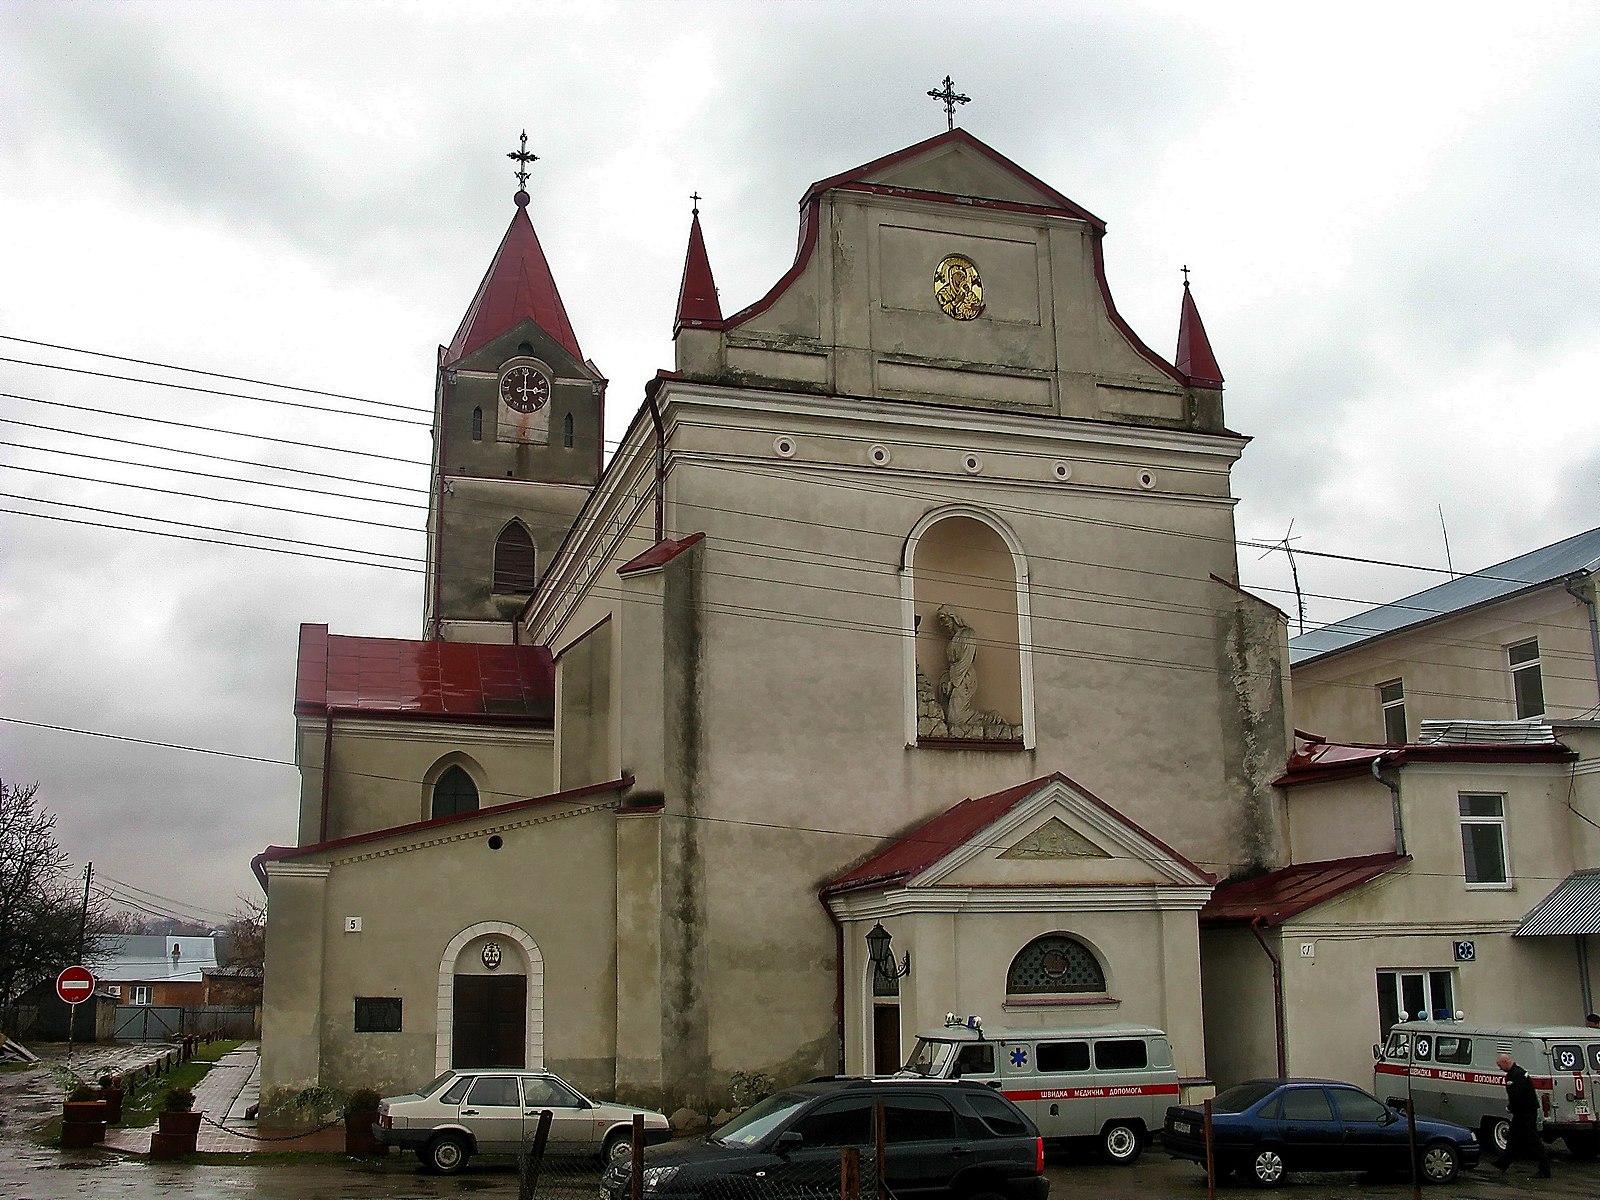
<point>1269,1127</point>
<point>942,1140</point>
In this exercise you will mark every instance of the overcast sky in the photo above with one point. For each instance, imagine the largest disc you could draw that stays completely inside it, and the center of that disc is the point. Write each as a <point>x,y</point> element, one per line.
<point>1390,211</point>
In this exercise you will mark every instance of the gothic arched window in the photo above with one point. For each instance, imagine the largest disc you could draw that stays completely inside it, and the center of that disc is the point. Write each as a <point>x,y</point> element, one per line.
<point>566,432</point>
<point>1053,964</point>
<point>477,424</point>
<point>513,560</point>
<point>454,793</point>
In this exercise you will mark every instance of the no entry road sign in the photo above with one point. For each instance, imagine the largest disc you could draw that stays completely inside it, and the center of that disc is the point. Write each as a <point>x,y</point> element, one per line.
<point>75,985</point>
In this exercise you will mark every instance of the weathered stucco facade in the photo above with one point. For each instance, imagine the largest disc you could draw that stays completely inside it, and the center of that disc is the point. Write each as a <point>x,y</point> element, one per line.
<point>926,523</point>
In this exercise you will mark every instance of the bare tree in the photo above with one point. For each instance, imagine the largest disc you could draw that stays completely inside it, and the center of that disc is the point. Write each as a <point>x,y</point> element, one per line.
<point>42,925</point>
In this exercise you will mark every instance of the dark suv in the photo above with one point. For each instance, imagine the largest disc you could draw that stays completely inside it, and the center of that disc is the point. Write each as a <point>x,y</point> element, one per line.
<point>943,1140</point>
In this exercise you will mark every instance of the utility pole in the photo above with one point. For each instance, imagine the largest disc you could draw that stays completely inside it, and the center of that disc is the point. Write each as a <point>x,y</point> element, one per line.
<point>83,914</point>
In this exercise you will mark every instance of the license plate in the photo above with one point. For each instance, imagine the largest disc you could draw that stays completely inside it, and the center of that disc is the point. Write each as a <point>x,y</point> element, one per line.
<point>1182,1127</point>
<point>1581,1109</point>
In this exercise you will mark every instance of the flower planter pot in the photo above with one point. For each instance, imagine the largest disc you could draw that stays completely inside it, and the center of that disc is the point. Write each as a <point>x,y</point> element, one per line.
<point>164,1147</point>
<point>83,1122</point>
<point>359,1140</point>
<point>177,1134</point>
<point>112,1097</point>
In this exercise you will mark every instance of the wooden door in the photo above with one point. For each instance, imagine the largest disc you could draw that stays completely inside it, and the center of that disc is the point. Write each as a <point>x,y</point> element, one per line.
<point>886,1058</point>
<point>490,1022</point>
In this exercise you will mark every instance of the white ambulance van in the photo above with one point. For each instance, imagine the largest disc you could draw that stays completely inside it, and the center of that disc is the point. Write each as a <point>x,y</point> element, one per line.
<point>1112,1083</point>
<point>1448,1070</point>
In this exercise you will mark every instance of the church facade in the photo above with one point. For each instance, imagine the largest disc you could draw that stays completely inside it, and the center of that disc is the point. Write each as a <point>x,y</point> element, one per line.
<point>906,606</point>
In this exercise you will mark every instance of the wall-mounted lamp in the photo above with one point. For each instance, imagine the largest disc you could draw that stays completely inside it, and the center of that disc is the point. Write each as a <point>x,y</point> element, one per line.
<point>881,953</point>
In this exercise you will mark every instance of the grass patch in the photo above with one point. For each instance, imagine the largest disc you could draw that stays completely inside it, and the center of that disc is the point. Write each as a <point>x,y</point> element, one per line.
<point>11,1068</point>
<point>144,1098</point>
<point>212,1051</point>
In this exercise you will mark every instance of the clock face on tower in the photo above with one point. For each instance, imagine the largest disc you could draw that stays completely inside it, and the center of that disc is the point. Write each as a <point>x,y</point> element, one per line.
<point>525,389</point>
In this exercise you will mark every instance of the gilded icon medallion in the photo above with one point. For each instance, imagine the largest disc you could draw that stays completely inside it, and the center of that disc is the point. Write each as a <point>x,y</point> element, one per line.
<point>957,288</point>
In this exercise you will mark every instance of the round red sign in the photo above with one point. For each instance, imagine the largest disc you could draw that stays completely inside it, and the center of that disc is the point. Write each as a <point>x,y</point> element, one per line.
<point>75,985</point>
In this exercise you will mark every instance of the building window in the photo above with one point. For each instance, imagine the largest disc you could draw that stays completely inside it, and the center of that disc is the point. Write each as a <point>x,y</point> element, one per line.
<point>454,793</point>
<point>1392,697</point>
<point>1483,840</point>
<point>1527,684</point>
<point>477,424</point>
<point>1054,964</point>
<point>1414,996</point>
<point>377,1014</point>
<point>566,432</point>
<point>513,560</point>
<point>141,994</point>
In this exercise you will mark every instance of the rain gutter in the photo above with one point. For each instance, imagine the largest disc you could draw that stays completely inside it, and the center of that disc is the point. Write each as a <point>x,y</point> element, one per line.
<point>1394,804</point>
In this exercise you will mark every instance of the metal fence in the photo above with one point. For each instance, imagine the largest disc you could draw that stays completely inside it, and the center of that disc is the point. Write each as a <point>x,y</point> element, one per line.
<point>164,1022</point>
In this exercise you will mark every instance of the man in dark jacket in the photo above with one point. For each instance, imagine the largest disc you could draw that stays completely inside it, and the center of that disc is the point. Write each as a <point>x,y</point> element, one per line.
<point>1524,1140</point>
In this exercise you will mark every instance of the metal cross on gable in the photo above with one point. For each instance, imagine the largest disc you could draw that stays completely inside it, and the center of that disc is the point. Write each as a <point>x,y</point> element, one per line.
<point>522,158</point>
<point>951,98</point>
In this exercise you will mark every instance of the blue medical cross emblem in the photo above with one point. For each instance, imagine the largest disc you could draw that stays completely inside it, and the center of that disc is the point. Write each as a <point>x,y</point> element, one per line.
<point>1019,1056</point>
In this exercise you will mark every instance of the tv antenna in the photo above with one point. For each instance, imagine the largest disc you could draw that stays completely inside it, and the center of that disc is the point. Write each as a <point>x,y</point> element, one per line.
<point>1286,544</point>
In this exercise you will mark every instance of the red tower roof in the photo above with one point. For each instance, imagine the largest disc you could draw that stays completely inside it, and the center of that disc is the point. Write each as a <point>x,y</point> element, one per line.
<point>1194,357</point>
<point>517,287</point>
<point>697,296</point>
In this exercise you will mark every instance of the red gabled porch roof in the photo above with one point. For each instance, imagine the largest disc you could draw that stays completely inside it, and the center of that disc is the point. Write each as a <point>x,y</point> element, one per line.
<point>1275,898</point>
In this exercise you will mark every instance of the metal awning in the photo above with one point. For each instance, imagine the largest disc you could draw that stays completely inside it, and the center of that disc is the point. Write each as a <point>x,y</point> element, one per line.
<point>1572,910</point>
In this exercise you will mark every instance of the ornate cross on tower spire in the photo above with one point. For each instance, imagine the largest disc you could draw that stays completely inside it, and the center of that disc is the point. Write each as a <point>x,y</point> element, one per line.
<point>696,198</point>
<point>522,158</point>
<point>951,98</point>
<point>1185,270</point>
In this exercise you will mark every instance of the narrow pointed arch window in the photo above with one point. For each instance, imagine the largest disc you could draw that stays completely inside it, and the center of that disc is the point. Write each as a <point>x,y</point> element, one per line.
<point>477,424</point>
<point>513,560</point>
<point>454,793</point>
<point>566,432</point>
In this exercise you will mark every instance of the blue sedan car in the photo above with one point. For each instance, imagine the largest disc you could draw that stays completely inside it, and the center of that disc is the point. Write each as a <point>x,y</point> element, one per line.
<point>1268,1127</point>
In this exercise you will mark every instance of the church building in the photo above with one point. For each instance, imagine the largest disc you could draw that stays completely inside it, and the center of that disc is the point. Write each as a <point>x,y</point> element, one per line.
<point>893,664</point>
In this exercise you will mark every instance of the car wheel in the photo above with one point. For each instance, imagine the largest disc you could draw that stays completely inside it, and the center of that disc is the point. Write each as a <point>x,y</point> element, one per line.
<point>1267,1168</point>
<point>1441,1162</point>
<point>1121,1143</point>
<point>1583,1146</point>
<point>617,1147</point>
<point>1496,1134</point>
<point>447,1154</point>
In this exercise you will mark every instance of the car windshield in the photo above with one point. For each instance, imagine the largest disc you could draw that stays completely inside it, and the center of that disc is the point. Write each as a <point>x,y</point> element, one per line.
<point>1242,1096</point>
<point>930,1058</point>
<point>760,1119</point>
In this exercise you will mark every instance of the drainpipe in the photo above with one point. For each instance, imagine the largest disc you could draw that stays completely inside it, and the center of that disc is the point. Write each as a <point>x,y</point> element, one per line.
<point>1277,997</point>
<point>661,465</point>
<point>327,771</point>
<point>1394,803</point>
<point>1583,972</point>
<point>838,980</point>
<point>1594,629</point>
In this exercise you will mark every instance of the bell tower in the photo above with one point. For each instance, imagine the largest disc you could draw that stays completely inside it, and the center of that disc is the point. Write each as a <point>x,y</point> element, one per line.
<point>519,417</point>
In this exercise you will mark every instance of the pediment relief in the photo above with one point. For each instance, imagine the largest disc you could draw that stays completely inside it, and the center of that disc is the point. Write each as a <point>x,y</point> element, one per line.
<point>1055,839</point>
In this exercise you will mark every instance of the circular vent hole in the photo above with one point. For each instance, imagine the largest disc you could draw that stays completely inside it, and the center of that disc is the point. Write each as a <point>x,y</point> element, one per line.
<point>1146,479</point>
<point>1062,470</point>
<point>495,842</point>
<point>784,447</point>
<point>972,463</point>
<point>879,455</point>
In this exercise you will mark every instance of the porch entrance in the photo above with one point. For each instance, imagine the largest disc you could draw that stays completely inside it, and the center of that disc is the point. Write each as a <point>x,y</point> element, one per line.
<point>886,1059</point>
<point>490,1021</point>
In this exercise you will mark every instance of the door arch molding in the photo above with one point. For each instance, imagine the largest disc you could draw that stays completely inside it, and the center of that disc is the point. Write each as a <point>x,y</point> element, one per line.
<point>445,1014</point>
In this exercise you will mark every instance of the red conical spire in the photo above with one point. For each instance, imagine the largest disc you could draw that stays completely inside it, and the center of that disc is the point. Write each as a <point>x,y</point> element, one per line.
<point>1194,357</point>
<point>697,297</point>
<point>517,287</point>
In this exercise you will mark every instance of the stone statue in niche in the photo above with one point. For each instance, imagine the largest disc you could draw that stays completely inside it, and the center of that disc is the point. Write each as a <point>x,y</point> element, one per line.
<point>953,711</point>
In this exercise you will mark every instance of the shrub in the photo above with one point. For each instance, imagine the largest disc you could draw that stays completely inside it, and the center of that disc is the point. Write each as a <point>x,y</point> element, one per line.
<point>178,1099</point>
<point>82,1091</point>
<point>362,1100</point>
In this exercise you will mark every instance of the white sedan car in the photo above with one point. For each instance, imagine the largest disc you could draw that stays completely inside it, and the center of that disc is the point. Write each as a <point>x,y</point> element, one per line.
<point>492,1111</point>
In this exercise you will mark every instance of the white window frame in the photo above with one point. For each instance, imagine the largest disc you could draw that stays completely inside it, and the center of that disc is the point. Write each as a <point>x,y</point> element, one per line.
<point>141,994</point>
<point>1397,977</point>
<point>1386,705</point>
<point>1521,668</point>
<point>1498,822</point>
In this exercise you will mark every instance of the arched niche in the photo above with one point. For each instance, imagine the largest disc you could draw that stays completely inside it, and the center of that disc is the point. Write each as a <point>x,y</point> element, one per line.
<point>465,971</point>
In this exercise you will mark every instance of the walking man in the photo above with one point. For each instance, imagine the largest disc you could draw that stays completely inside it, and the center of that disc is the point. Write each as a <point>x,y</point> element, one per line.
<point>1524,1141</point>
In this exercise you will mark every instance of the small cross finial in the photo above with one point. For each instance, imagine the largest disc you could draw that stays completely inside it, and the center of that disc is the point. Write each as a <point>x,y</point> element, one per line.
<point>951,98</point>
<point>1185,270</point>
<point>695,196</point>
<point>522,158</point>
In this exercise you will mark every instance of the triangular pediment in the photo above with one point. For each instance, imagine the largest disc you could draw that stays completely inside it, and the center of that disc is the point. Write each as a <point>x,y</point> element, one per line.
<point>1060,835</point>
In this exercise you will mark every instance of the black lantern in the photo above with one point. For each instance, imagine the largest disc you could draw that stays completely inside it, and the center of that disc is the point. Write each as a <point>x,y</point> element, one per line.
<point>881,954</point>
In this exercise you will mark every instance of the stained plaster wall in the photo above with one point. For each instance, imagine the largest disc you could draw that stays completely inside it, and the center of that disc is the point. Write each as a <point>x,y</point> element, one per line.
<point>551,878</point>
<point>1453,669</point>
<point>383,771</point>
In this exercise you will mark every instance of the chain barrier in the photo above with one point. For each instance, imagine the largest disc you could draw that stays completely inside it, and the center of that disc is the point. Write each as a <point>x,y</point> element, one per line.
<point>264,1137</point>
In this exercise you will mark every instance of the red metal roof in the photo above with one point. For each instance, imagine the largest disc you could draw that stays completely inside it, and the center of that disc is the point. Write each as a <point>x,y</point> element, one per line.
<point>1194,357</point>
<point>518,286</point>
<point>448,680</point>
<point>660,554</point>
<point>1317,761</point>
<point>910,855</point>
<point>1273,899</point>
<point>697,294</point>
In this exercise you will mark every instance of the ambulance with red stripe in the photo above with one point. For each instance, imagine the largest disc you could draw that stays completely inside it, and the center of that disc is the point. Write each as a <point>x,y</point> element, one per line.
<point>1448,1070</point>
<point>1112,1083</point>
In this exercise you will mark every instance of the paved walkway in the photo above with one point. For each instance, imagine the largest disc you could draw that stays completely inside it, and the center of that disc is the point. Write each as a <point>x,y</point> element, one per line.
<point>222,1097</point>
